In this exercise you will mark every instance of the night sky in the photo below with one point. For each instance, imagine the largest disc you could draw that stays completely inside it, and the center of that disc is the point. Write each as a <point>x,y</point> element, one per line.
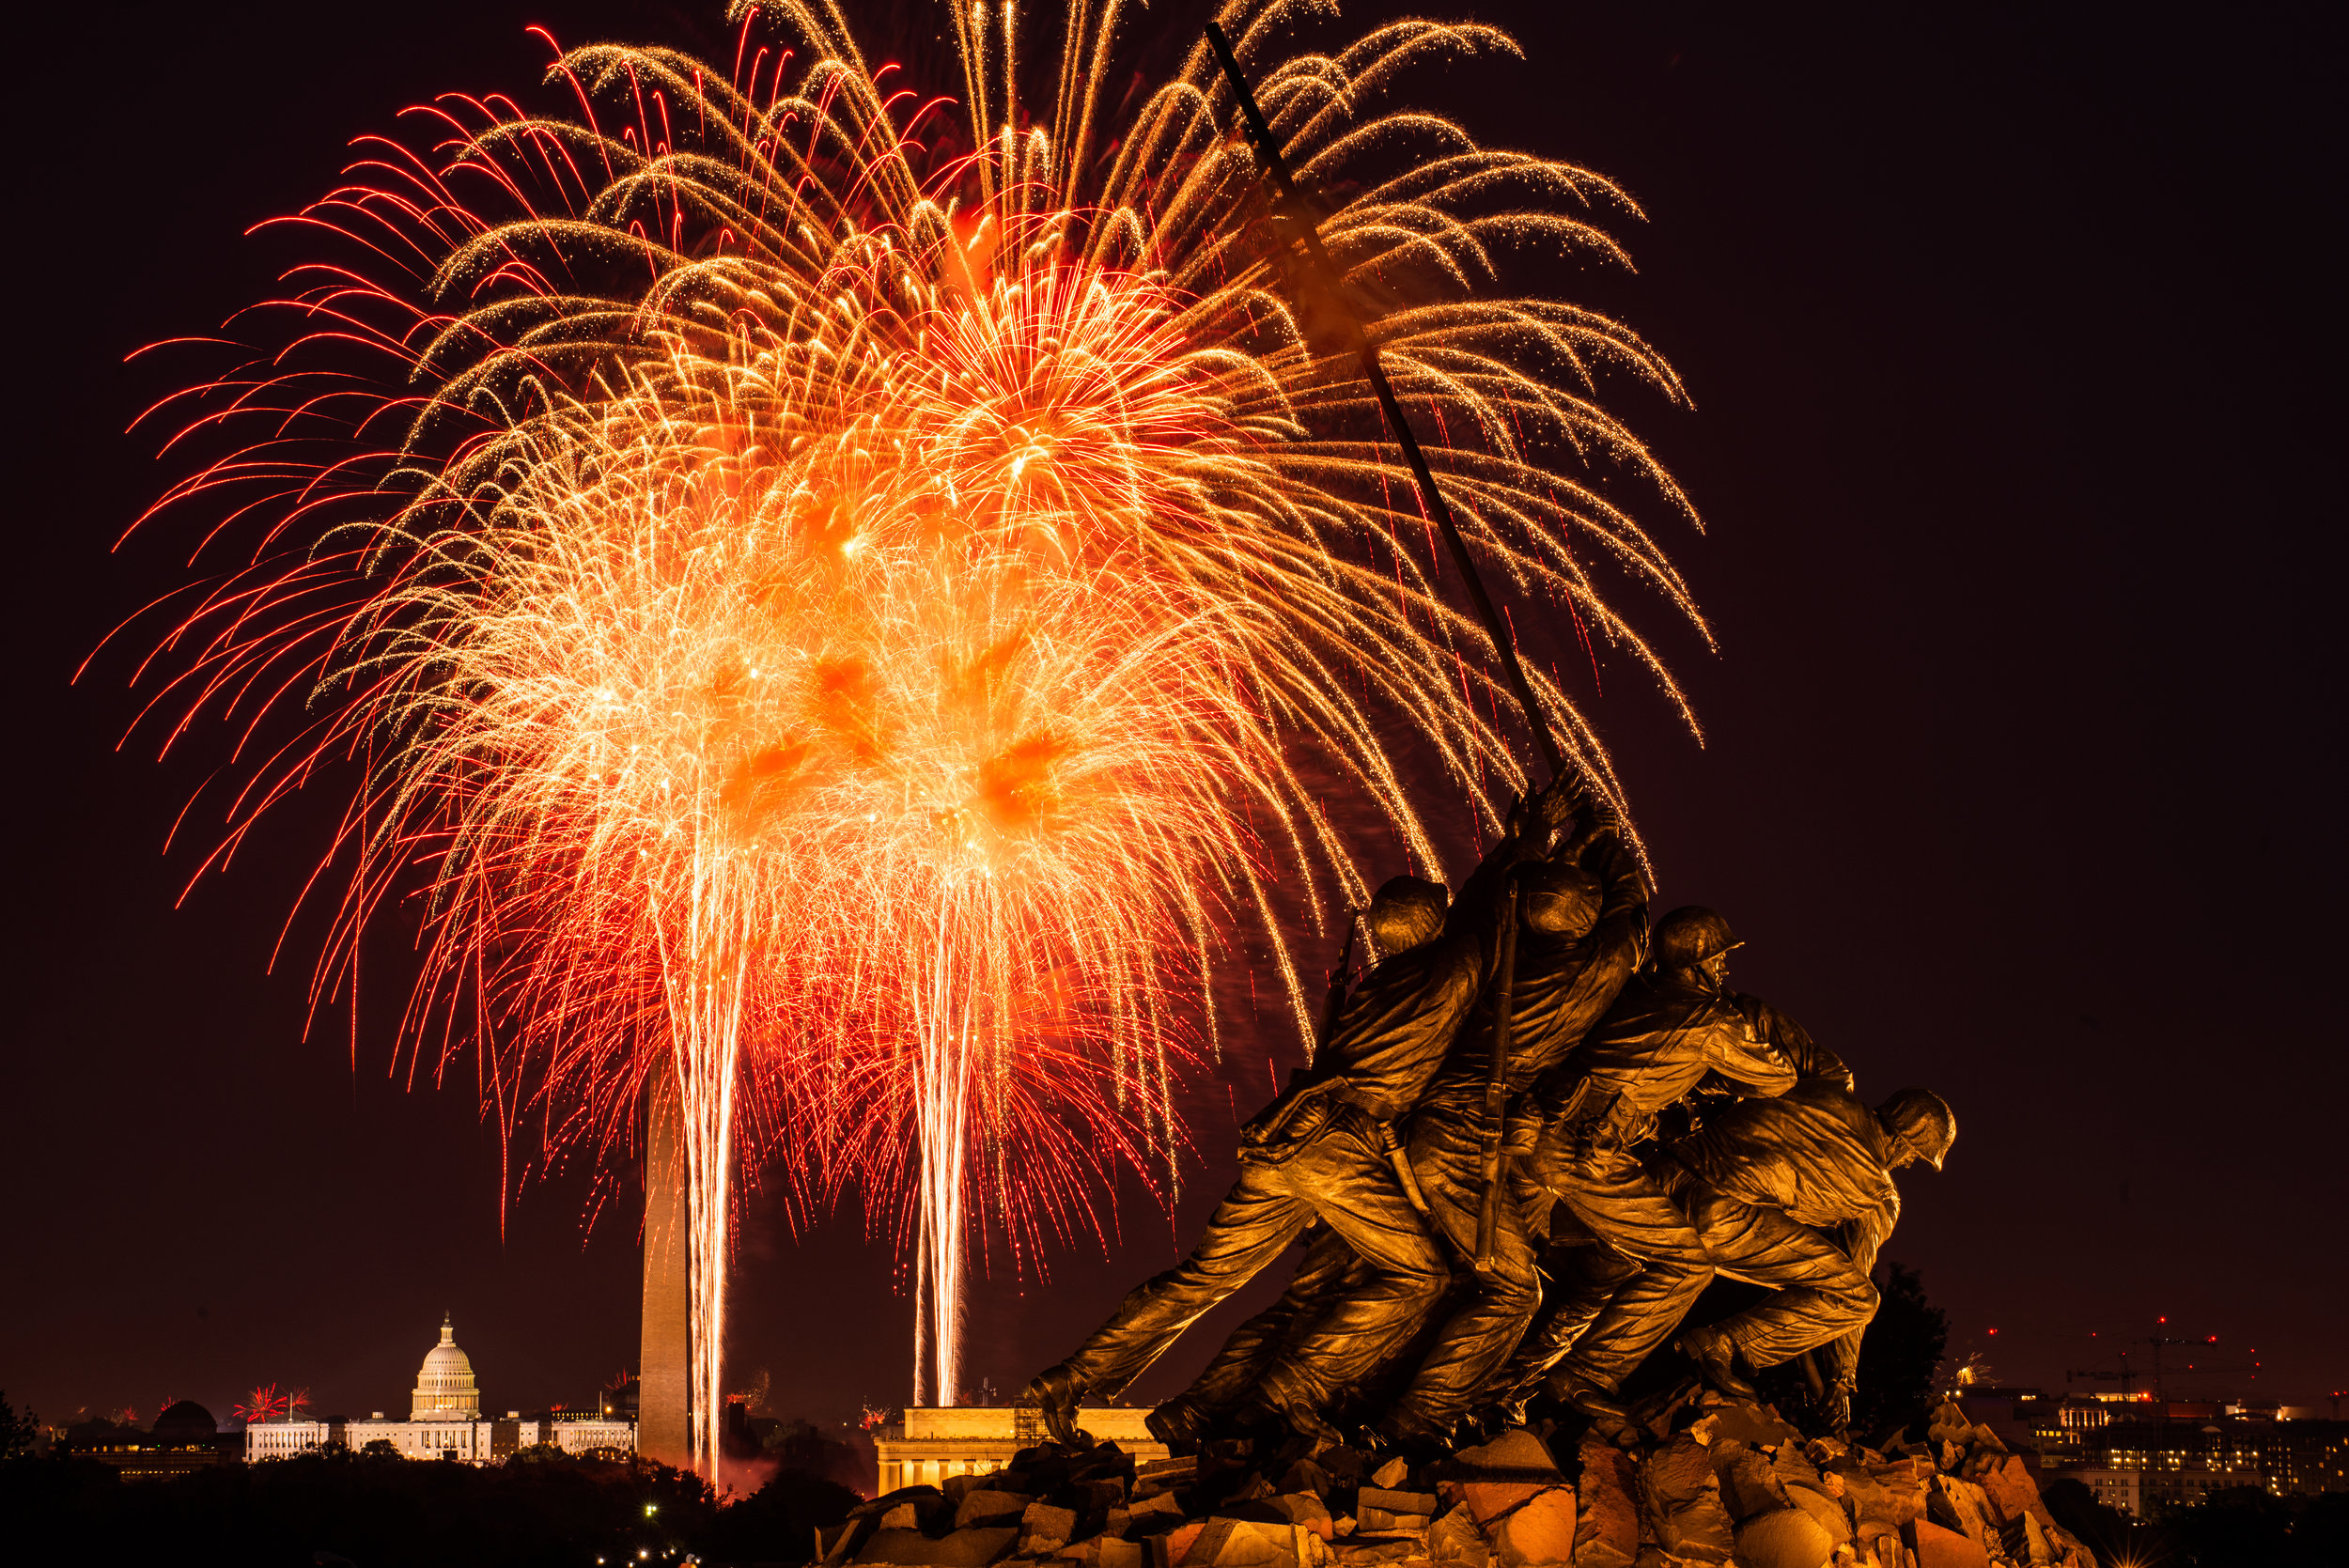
<point>2022,776</point>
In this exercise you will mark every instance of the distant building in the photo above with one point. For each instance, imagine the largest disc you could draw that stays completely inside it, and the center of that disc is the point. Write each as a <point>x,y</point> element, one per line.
<point>932,1443</point>
<point>2012,1414</point>
<point>2137,1492</point>
<point>2136,1464</point>
<point>590,1436</point>
<point>445,1422</point>
<point>445,1389</point>
<point>184,1438</point>
<point>285,1437</point>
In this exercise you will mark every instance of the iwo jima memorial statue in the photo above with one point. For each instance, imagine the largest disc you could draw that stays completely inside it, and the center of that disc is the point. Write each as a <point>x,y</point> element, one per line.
<point>1536,1129</point>
<point>1534,1132</point>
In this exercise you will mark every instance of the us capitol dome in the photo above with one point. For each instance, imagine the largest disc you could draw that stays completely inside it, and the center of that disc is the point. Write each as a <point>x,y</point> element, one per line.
<point>445,1422</point>
<point>445,1389</point>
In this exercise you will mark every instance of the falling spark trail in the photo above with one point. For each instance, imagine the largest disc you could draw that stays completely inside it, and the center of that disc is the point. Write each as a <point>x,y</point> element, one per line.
<point>856,604</point>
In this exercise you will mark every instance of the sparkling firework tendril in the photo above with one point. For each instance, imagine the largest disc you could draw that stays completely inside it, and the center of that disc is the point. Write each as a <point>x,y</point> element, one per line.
<point>267,1402</point>
<point>855,614</point>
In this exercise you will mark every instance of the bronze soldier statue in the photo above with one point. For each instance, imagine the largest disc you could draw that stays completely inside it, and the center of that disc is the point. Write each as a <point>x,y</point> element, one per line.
<point>1585,935</point>
<point>1796,1194</point>
<point>1321,1150</point>
<point>1674,1025</point>
<point>1583,932</point>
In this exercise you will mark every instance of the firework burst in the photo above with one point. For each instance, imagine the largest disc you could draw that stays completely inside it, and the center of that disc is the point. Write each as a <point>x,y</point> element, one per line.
<point>854,599</point>
<point>269,1403</point>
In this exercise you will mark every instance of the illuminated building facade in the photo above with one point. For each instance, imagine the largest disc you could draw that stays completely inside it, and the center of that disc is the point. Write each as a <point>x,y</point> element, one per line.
<point>2136,1464</point>
<point>2137,1492</point>
<point>445,1422</point>
<point>473,1442</point>
<point>445,1387</point>
<point>929,1443</point>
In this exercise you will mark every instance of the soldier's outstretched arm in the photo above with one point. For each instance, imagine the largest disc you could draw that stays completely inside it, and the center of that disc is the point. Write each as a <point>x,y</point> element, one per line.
<point>1812,1060</point>
<point>1864,1237</point>
<point>1750,1060</point>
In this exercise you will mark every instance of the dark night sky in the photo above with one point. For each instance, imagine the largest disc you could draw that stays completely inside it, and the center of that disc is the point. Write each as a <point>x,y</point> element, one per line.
<point>2023,767</point>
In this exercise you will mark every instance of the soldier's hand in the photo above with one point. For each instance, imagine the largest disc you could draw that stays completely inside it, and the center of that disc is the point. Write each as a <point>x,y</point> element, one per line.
<point>1557,801</point>
<point>1599,818</point>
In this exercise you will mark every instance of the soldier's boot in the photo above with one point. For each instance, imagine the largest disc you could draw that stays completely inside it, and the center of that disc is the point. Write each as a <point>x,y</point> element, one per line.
<point>1605,1411</point>
<point>1265,1409</point>
<point>1055,1390</point>
<point>1715,1355</point>
<point>1180,1423</point>
<point>1506,1412</point>
<point>1501,1414</point>
<point>1401,1431</point>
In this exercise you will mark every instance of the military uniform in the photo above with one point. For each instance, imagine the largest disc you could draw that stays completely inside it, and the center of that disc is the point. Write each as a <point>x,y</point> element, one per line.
<point>1794,1194</point>
<point>1321,1152</point>
<point>1329,1270</point>
<point>1559,989</point>
<point>1663,1036</point>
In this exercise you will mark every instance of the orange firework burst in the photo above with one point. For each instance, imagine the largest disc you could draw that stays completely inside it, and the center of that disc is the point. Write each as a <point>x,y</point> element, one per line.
<point>854,613</point>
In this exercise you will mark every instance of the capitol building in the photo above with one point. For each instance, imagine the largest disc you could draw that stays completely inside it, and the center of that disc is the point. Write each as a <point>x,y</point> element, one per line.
<point>445,1422</point>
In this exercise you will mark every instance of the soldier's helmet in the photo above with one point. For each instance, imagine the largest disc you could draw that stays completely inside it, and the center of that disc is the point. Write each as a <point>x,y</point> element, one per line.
<point>1691,934</point>
<point>1561,901</point>
<point>1405,912</point>
<point>1923,1120</point>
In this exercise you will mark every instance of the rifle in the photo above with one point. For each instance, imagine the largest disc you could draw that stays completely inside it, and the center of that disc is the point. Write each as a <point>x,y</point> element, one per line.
<point>1497,1082</point>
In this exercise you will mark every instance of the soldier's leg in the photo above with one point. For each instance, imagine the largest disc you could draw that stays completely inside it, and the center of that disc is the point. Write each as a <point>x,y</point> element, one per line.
<point>1627,1207</point>
<point>1822,1294</point>
<point>1328,1267</point>
<point>1582,1275</point>
<point>1344,1176</point>
<point>1478,1337</point>
<point>1254,1223</point>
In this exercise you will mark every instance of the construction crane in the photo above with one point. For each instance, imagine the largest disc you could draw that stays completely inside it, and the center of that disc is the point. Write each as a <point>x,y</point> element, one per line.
<point>2160,1342</point>
<point>2124,1376</point>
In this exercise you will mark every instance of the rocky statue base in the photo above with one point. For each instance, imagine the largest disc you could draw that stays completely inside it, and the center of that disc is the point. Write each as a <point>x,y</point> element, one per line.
<point>1700,1480</point>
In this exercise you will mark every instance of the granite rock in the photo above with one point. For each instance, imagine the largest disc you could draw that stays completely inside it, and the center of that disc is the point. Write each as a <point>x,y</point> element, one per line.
<point>1493,1477</point>
<point>1539,1532</point>
<point>963,1548</point>
<point>1828,1511</point>
<point>1939,1547</point>
<point>1784,1537</point>
<point>1606,1528</point>
<point>1749,1482</point>
<point>1046,1528</point>
<point>1454,1541</point>
<point>1307,1509</point>
<point>1380,1512</point>
<point>985,1506</point>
